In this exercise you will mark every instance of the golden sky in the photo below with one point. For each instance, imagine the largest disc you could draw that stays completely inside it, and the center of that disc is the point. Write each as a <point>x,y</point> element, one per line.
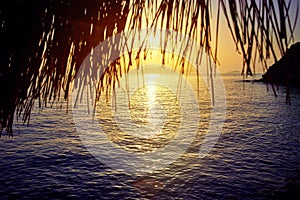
<point>228,56</point>
<point>230,59</point>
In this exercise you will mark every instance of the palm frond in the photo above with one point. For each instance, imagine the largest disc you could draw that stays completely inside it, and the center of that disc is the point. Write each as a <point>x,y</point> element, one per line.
<point>48,41</point>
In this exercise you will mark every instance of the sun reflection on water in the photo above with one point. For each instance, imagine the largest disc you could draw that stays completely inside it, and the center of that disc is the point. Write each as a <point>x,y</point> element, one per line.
<point>148,115</point>
<point>150,122</point>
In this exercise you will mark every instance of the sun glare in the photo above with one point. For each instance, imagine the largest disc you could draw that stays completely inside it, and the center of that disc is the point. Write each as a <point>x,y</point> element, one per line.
<point>151,94</point>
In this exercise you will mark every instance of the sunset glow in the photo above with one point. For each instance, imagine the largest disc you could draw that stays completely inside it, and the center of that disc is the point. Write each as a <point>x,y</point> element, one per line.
<point>150,99</point>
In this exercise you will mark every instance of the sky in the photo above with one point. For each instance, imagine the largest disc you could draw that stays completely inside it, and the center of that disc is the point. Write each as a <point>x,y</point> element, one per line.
<point>229,58</point>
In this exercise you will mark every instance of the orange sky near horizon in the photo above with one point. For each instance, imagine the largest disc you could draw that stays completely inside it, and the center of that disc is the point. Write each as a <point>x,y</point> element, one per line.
<point>229,58</point>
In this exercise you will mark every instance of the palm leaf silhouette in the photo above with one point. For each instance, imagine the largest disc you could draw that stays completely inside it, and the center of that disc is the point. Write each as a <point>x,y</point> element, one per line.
<point>45,42</point>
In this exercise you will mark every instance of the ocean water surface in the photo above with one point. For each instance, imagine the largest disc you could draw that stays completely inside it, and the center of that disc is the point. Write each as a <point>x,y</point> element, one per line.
<point>257,154</point>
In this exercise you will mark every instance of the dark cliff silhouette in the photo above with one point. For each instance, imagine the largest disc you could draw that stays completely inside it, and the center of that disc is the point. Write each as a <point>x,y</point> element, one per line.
<point>286,70</point>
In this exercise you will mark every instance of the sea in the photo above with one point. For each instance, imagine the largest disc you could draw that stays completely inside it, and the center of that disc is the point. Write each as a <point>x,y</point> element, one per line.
<point>151,144</point>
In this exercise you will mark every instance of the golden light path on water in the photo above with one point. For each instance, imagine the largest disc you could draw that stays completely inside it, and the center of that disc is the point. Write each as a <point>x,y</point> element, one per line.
<point>155,117</point>
<point>148,119</point>
<point>152,116</point>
